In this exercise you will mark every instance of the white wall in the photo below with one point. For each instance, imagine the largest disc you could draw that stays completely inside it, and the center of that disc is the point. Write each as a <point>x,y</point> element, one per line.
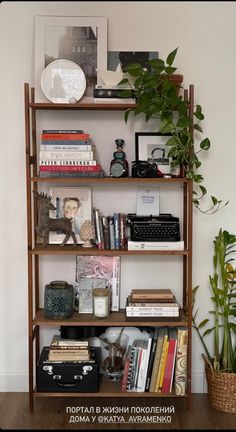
<point>205,34</point>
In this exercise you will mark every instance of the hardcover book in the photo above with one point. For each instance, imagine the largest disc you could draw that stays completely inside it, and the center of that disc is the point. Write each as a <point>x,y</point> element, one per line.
<point>102,267</point>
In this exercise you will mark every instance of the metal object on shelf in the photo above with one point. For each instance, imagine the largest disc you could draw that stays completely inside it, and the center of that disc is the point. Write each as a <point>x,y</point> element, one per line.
<point>58,300</point>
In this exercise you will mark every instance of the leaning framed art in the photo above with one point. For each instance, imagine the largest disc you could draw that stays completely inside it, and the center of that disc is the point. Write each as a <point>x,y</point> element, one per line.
<point>82,40</point>
<point>74,203</point>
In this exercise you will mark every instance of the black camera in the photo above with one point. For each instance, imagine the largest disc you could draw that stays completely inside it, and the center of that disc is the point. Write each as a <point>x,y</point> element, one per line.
<point>144,169</point>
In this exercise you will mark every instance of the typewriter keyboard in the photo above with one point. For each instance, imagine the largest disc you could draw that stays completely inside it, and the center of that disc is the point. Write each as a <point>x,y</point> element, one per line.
<point>159,232</point>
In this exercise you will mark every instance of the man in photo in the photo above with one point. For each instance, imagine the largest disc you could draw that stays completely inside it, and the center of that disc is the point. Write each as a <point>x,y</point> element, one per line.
<point>70,210</point>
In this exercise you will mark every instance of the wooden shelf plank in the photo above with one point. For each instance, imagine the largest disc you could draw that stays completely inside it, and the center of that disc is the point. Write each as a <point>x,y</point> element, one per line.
<point>113,181</point>
<point>108,389</point>
<point>81,106</point>
<point>116,319</point>
<point>78,250</point>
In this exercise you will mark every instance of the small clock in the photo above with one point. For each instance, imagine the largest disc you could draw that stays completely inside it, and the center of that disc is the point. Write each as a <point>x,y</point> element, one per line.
<point>63,81</point>
<point>119,166</point>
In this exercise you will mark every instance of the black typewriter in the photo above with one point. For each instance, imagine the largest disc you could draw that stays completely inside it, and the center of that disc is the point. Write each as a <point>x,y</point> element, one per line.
<point>164,227</point>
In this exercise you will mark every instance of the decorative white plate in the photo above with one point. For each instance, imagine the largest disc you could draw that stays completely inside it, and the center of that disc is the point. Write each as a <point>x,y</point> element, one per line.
<point>63,81</point>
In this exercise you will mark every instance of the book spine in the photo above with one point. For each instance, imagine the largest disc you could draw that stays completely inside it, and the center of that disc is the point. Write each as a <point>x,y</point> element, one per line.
<point>154,304</point>
<point>163,366</point>
<point>68,174</point>
<point>166,385</point>
<point>117,230</point>
<point>136,245</point>
<point>67,136</point>
<point>115,100</point>
<point>69,162</point>
<point>61,147</point>
<point>181,363</point>
<point>156,363</point>
<point>147,359</point>
<point>150,364</point>
<point>65,348</point>
<point>105,228</point>
<point>111,232</point>
<point>143,314</point>
<point>82,168</point>
<point>132,369</point>
<point>57,131</point>
<point>65,143</point>
<point>115,303</point>
<point>165,340</point>
<point>60,154</point>
<point>126,369</point>
<point>112,93</point>
<point>97,228</point>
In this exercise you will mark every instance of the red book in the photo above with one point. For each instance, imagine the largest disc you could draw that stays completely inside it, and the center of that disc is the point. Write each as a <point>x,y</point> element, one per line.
<point>126,370</point>
<point>170,362</point>
<point>60,168</point>
<point>61,136</point>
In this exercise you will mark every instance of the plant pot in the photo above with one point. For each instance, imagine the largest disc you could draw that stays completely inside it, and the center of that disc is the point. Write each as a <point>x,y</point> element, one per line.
<point>221,388</point>
<point>176,79</point>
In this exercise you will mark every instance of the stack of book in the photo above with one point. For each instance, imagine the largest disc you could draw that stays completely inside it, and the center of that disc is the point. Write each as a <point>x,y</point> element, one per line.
<point>159,364</point>
<point>68,350</point>
<point>151,303</point>
<point>110,230</point>
<point>116,94</point>
<point>67,153</point>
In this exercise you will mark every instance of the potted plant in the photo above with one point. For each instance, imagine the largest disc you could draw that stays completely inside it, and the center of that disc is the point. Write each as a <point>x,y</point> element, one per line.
<point>157,92</point>
<point>220,366</point>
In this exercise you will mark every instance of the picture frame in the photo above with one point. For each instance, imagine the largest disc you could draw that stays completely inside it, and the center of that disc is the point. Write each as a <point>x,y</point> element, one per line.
<point>124,58</point>
<point>71,202</point>
<point>146,143</point>
<point>81,39</point>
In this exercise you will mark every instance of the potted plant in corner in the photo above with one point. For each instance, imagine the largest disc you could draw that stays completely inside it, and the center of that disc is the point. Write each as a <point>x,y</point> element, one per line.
<point>220,366</point>
<point>157,92</point>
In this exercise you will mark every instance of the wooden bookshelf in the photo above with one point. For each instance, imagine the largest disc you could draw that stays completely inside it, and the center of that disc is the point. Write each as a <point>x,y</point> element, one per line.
<point>110,389</point>
<point>36,317</point>
<point>116,319</point>
<point>79,250</point>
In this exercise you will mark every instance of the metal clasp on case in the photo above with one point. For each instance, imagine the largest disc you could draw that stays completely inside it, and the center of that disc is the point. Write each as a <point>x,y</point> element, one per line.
<point>49,369</point>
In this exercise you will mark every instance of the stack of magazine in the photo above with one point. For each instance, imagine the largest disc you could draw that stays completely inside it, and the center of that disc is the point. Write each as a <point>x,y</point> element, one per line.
<point>152,303</point>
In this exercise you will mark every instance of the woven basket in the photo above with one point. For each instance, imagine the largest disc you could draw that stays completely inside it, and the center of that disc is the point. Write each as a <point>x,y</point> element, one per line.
<point>221,388</point>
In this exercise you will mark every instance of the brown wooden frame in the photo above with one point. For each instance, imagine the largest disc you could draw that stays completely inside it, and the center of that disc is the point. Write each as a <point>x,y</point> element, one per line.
<point>35,315</point>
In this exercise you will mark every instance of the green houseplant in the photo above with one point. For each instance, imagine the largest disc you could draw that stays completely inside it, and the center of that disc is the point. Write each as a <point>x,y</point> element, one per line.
<point>220,365</point>
<point>157,94</point>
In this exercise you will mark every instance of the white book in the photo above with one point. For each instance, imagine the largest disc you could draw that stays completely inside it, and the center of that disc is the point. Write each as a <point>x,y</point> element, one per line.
<point>61,147</point>
<point>66,162</point>
<point>151,314</point>
<point>144,245</point>
<point>66,154</point>
<point>147,357</point>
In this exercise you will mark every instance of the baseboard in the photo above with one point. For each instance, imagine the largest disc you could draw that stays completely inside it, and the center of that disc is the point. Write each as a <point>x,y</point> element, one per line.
<point>13,381</point>
<point>17,381</point>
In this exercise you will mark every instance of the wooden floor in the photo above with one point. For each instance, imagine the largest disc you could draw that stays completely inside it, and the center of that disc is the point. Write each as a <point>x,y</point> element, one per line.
<point>50,413</point>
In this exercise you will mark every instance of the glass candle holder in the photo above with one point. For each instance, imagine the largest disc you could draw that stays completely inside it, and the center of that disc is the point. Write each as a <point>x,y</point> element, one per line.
<point>101,303</point>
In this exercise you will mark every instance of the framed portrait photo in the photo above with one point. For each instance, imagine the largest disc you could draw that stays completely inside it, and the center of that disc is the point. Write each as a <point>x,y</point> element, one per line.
<point>82,40</point>
<point>70,202</point>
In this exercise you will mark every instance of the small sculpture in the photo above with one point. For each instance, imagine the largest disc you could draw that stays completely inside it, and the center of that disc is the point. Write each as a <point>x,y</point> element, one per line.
<point>87,233</point>
<point>46,224</point>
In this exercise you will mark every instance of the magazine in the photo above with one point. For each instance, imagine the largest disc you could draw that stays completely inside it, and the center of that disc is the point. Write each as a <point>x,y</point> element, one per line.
<point>107,267</point>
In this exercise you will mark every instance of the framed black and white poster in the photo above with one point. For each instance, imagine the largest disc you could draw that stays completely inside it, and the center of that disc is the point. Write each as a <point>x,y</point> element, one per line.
<point>151,146</point>
<point>82,40</point>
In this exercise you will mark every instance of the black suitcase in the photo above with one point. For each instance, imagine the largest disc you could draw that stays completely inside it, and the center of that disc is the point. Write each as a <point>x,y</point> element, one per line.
<point>68,377</point>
